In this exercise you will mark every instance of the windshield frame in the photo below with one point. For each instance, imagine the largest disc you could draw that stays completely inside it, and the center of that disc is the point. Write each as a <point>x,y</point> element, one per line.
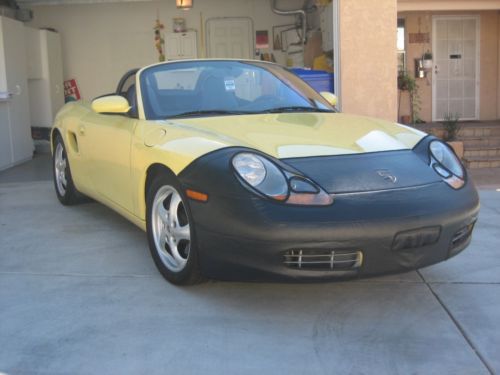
<point>314,99</point>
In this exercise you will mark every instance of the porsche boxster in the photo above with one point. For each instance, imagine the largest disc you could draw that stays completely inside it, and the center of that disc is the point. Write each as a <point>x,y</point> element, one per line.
<point>240,170</point>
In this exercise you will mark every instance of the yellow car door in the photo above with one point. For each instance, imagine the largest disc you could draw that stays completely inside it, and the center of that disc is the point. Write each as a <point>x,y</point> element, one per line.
<point>110,137</point>
<point>78,149</point>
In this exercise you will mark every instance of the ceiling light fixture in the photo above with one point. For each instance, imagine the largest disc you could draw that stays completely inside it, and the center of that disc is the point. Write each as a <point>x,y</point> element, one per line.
<point>184,4</point>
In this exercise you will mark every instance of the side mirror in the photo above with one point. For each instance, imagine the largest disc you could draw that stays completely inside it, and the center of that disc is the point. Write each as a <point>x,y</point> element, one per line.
<point>330,98</point>
<point>111,104</point>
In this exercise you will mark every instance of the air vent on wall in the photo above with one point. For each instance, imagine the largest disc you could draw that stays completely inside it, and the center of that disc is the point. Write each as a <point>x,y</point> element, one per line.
<point>10,9</point>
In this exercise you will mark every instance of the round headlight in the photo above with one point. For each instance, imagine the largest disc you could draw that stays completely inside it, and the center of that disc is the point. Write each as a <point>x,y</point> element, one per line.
<point>446,158</point>
<point>250,167</point>
<point>262,175</point>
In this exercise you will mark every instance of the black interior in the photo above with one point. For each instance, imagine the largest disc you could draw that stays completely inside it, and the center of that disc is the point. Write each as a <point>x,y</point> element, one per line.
<point>131,96</point>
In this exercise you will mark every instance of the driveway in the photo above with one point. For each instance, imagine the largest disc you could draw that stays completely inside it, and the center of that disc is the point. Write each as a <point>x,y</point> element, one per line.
<point>79,294</point>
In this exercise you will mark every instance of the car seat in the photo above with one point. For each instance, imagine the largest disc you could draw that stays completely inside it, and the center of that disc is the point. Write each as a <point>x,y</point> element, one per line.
<point>215,95</point>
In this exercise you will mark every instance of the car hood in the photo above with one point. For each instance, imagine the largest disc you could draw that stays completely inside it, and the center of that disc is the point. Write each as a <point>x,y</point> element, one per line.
<point>292,135</point>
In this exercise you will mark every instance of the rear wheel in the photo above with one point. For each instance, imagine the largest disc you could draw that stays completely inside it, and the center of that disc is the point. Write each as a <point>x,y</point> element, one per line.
<point>170,231</point>
<point>63,182</point>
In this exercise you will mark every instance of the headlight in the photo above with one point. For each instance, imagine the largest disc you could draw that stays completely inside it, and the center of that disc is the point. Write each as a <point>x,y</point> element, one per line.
<point>262,175</point>
<point>251,168</point>
<point>268,179</point>
<point>446,164</point>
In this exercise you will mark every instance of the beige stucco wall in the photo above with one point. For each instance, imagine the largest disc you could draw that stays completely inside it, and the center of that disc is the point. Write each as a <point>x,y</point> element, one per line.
<point>368,57</point>
<point>489,64</point>
<point>498,66</point>
<point>100,42</point>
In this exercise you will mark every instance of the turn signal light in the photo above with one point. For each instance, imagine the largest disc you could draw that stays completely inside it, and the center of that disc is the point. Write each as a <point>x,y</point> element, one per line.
<point>196,195</point>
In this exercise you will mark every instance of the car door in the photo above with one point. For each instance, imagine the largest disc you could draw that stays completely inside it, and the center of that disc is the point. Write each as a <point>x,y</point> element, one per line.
<point>109,138</point>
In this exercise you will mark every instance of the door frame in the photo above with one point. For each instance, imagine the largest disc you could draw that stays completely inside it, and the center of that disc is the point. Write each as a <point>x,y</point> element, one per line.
<point>478,62</point>
<point>336,53</point>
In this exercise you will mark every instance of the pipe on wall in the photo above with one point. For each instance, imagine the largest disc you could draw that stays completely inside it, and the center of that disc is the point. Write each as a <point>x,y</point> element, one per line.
<point>294,12</point>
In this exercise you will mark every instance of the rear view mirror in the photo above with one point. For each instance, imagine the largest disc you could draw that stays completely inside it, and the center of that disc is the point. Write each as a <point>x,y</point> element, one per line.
<point>111,104</point>
<point>330,98</point>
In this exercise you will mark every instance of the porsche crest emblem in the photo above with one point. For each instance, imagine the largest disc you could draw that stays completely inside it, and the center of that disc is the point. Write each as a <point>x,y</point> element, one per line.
<point>386,175</point>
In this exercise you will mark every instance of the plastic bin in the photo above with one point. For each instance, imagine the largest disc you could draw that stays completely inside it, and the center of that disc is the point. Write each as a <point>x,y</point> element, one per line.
<point>317,79</point>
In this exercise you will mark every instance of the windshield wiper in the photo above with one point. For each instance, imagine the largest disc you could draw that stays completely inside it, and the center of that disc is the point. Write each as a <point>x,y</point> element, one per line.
<point>211,112</point>
<point>296,109</point>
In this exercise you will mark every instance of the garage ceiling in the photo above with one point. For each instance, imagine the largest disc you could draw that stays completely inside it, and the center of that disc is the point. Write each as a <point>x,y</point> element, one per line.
<point>67,2</point>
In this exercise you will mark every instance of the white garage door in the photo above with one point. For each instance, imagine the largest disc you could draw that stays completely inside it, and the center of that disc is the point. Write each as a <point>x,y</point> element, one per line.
<point>230,38</point>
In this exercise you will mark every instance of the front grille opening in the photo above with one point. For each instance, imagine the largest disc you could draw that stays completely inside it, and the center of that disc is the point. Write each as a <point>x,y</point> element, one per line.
<point>319,259</point>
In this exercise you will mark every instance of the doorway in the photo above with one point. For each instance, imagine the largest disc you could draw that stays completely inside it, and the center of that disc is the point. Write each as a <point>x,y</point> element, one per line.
<point>455,83</point>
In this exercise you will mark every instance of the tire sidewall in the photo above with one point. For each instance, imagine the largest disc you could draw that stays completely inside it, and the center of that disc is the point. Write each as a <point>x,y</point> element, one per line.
<point>69,196</point>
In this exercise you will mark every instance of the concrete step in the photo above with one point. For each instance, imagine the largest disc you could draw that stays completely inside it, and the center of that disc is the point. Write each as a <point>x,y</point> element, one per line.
<point>481,142</point>
<point>466,130</point>
<point>476,162</point>
<point>472,152</point>
<point>478,131</point>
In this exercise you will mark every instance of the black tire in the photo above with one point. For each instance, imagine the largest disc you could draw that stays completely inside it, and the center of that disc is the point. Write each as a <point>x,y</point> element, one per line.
<point>67,195</point>
<point>190,273</point>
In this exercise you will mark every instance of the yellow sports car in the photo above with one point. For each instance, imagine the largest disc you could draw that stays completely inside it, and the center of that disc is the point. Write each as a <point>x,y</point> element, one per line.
<point>240,170</point>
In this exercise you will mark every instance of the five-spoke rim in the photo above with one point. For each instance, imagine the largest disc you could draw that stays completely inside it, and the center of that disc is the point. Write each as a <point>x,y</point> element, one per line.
<point>60,169</point>
<point>171,231</point>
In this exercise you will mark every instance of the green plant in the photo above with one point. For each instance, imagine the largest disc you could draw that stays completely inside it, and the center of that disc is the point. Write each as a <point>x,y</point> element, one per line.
<point>427,55</point>
<point>451,126</point>
<point>407,83</point>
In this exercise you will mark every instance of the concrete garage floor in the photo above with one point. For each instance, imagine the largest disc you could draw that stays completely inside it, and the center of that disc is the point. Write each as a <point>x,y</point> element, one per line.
<point>79,294</point>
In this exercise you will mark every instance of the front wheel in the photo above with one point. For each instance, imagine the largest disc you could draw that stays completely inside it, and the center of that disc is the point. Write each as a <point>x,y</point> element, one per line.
<point>170,231</point>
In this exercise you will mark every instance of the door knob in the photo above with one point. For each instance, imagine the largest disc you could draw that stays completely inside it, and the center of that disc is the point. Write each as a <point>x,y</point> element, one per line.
<point>436,70</point>
<point>81,130</point>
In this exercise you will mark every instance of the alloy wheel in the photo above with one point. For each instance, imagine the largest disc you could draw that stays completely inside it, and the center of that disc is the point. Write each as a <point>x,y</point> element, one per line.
<point>171,230</point>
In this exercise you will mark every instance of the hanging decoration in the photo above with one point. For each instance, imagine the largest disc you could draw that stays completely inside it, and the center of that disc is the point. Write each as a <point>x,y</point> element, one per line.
<point>159,41</point>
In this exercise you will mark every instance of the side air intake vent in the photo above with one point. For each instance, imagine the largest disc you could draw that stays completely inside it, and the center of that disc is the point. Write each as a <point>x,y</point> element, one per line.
<point>318,259</point>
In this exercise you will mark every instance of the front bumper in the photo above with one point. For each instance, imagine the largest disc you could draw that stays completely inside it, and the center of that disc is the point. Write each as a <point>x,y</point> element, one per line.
<point>394,231</point>
<point>242,236</point>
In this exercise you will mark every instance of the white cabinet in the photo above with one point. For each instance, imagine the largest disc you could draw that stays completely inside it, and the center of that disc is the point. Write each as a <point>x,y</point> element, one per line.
<point>34,53</point>
<point>45,77</point>
<point>181,46</point>
<point>5,138</point>
<point>16,144</point>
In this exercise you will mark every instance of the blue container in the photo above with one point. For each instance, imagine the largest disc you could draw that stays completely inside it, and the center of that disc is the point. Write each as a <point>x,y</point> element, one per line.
<point>317,79</point>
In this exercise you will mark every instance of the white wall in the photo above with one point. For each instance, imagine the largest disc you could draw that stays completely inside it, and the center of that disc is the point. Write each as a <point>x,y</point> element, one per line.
<point>102,41</point>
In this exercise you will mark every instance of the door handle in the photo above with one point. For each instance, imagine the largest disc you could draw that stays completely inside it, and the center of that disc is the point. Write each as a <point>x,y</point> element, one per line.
<point>436,70</point>
<point>81,130</point>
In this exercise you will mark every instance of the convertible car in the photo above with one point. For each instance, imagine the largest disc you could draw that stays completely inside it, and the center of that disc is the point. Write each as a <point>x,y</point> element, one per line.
<point>240,170</point>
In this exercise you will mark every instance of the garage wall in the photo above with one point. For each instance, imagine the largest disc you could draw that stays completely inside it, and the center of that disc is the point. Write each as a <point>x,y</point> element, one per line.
<point>102,41</point>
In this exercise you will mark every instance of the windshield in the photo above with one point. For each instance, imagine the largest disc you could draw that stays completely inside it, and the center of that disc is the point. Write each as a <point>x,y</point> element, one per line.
<point>210,88</point>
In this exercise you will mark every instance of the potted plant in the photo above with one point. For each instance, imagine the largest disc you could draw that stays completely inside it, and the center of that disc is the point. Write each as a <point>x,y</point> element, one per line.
<point>407,83</point>
<point>427,60</point>
<point>451,130</point>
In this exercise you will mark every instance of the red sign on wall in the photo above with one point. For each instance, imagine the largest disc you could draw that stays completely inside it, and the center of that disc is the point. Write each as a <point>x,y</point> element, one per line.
<point>71,92</point>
